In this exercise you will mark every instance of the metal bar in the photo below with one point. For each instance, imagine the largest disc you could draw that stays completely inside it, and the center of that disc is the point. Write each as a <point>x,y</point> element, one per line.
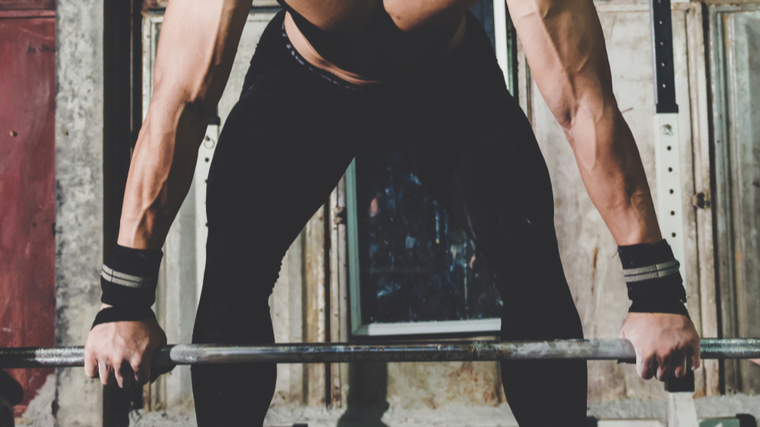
<point>666,133</point>
<point>192,354</point>
<point>662,52</point>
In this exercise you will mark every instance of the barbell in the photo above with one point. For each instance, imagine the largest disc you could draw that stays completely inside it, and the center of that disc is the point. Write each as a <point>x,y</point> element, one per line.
<point>448,351</point>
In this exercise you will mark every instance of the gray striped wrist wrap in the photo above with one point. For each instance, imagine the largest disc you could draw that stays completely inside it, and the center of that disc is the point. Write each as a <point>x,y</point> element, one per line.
<point>654,282</point>
<point>129,278</point>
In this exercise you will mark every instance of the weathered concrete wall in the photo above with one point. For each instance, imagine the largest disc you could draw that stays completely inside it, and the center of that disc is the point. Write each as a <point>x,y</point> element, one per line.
<point>79,195</point>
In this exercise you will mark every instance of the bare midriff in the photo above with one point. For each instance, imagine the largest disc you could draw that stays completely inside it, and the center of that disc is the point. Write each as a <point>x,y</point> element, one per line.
<point>304,48</point>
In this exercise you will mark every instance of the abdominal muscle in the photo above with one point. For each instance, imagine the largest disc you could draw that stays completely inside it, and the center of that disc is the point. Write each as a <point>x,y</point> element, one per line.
<point>396,67</point>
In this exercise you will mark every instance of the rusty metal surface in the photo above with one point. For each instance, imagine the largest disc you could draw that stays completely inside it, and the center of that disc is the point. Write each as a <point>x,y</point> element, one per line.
<point>194,354</point>
<point>27,4</point>
<point>27,190</point>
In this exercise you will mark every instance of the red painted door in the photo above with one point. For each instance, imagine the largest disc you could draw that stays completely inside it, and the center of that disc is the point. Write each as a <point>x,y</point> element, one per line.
<point>27,186</point>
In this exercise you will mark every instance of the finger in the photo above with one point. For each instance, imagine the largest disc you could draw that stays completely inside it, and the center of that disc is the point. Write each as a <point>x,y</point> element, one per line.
<point>663,372</point>
<point>127,374</point>
<point>663,366</point>
<point>104,372</point>
<point>118,373</point>
<point>755,361</point>
<point>645,365</point>
<point>141,369</point>
<point>90,364</point>
<point>696,360</point>
<point>680,362</point>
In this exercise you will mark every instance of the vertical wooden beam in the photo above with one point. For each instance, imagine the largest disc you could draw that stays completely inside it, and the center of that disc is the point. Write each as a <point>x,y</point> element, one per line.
<point>702,176</point>
<point>742,42</point>
<point>339,314</point>
<point>722,196</point>
<point>314,280</point>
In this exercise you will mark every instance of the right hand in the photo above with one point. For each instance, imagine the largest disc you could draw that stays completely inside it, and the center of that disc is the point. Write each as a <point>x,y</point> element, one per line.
<point>122,351</point>
<point>664,344</point>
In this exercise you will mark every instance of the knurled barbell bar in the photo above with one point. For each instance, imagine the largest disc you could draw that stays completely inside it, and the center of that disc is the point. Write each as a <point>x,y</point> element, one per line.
<point>448,351</point>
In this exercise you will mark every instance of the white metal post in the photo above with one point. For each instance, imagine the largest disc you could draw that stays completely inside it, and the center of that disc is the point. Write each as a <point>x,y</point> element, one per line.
<point>205,154</point>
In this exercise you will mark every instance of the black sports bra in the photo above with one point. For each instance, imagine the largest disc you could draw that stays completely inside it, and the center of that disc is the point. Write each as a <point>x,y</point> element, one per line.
<point>356,52</point>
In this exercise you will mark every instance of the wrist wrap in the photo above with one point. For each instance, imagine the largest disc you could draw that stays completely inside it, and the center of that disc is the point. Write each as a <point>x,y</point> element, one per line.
<point>654,282</point>
<point>129,279</point>
<point>117,314</point>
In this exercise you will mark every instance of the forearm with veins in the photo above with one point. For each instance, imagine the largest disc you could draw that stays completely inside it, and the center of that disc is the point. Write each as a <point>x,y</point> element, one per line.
<point>565,49</point>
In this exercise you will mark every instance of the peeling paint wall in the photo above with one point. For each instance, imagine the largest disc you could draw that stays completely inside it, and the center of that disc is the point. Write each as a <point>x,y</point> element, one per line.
<point>79,199</point>
<point>27,187</point>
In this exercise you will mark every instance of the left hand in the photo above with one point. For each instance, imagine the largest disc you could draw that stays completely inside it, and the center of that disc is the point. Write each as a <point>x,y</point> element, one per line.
<point>663,343</point>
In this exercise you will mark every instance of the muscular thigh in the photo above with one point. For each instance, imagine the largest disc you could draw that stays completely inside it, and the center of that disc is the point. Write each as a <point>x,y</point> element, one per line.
<point>456,101</point>
<point>491,168</point>
<point>485,166</point>
<point>282,150</point>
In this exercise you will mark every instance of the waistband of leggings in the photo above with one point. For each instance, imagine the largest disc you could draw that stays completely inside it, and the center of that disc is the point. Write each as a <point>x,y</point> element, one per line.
<point>323,75</point>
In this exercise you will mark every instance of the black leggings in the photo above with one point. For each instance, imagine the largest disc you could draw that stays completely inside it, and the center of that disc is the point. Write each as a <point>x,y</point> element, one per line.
<point>283,149</point>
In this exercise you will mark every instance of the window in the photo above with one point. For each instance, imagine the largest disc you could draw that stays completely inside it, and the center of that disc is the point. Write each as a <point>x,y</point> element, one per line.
<point>411,270</point>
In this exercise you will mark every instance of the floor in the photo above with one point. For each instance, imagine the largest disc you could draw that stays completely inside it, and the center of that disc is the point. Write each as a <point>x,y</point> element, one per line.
<point>625,413</point>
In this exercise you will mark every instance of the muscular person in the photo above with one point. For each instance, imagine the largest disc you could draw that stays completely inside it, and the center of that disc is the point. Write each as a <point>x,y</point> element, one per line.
<point>334,77</point>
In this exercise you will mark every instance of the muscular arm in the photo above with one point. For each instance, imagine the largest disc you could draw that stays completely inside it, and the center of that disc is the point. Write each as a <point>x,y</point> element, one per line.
<point>565,48</point>
<point>195,53</point>
<point>198,42</point>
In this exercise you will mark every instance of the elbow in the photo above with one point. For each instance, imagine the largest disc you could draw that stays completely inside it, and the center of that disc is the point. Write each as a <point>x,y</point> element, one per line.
<point>167,110</point>
<point>202,110</point>
<point>175,93</point>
